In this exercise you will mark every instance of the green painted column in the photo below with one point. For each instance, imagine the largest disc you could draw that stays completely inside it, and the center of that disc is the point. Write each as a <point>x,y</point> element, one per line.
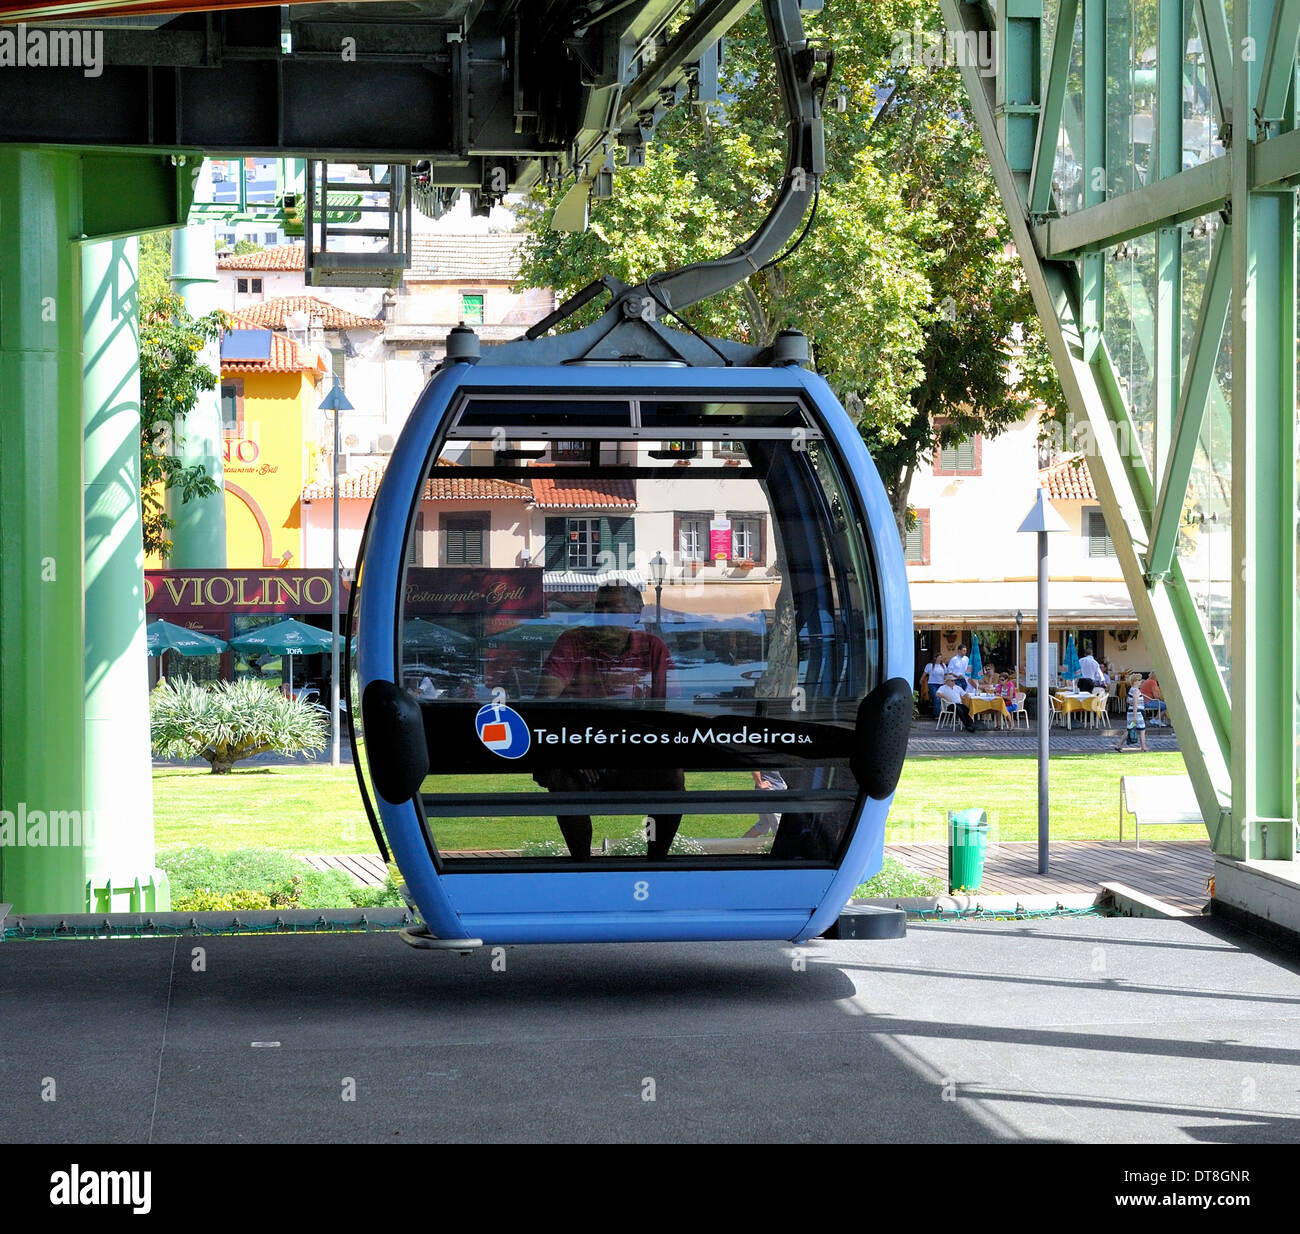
<point>119,784</point>
<point>42,631</point>
<point>199,536</point>
<point>1263,480</point>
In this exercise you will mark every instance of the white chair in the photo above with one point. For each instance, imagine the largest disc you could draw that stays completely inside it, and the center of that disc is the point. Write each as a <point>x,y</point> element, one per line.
<point>1100,718</point>
<point>1020,713</point>
<point>1058,712</point>
<point>949,709</point>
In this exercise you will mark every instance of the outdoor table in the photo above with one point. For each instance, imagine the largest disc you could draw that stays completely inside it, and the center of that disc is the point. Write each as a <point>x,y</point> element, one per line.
<point>976,704</point>
<point>1072,701</point>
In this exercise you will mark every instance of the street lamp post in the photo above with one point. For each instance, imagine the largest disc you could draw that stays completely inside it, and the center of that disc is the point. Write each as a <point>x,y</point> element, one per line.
<point>658,572</point>
<point>1020,620</point>
<point>335,401</point>
<point>1042,520</point>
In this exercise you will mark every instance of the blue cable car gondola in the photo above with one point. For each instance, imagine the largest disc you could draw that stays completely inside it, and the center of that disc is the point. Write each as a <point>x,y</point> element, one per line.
<point>739,732</point>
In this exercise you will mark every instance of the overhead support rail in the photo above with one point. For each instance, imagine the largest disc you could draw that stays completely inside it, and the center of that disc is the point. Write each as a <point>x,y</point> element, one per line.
<point>486,97</point>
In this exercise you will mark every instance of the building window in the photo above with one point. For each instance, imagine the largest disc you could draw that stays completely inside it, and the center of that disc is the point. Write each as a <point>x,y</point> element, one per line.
<point>728,449</point>
<point>691,535</point>
<point>415,549</point>
<point>249,286</point>
<point>232,407</point>
<point>916,547</point>
<point>684,448</point>
<point>963,459</point>
<point>270,238</point>
<point>465,539</point>
<point>471,308</point>
<point>583,543</point>
<point>1099,541</point>
<point>748,533</point>
<point>570,451</point>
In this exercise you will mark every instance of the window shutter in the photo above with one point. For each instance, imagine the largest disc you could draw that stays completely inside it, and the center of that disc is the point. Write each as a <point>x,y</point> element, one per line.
<point>455,545</point>
<point>557,551</point>
<point>619,538</point>
<point>914,550</point>
<point>475,534</point>
<point>1099,543</point>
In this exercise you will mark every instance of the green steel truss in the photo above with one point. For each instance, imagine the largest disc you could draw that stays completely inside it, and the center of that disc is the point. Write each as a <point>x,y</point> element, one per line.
<point>1147,153</point>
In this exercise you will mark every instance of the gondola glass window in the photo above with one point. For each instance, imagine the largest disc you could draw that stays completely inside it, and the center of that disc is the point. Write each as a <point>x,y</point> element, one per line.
<point>676,601</point>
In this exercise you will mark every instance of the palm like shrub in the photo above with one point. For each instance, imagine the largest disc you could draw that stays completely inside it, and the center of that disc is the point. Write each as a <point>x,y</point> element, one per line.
<point>229,721</point>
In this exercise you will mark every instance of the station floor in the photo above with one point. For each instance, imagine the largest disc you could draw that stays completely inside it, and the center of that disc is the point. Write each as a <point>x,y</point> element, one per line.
<point>1082,1030</point>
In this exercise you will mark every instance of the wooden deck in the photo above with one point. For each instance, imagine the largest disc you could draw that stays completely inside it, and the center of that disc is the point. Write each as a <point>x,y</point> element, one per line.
<point>1174,871</point>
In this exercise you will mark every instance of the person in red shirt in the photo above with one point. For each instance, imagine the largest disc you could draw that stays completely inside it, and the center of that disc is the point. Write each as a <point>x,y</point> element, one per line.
<point>1153,700</point>
<point>611,660</point>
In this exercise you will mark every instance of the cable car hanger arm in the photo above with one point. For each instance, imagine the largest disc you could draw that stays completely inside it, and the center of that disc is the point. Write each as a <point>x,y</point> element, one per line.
<point>803,73</point>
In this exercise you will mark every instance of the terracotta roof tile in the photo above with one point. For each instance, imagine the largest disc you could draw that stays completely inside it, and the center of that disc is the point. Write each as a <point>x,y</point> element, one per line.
<point>365,484</point>
<point>1068,479</point>
<point>273,312</point>
<point>552,494</point>
<point>466,258</point>
<point>281,257</point>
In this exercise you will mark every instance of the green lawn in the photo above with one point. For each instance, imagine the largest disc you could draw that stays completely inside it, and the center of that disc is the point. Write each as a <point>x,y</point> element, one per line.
<point>317,809</point>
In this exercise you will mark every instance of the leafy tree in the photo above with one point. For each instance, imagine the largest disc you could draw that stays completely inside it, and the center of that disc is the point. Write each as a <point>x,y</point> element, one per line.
<point>905,283</point>
<point>155,266</point>
<point>246,246</point>
<point>172,376</point>
<point>229,721</point>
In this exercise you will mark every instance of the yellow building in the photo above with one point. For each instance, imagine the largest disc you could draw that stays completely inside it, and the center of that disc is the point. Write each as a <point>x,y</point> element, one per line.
<point>268,412</point>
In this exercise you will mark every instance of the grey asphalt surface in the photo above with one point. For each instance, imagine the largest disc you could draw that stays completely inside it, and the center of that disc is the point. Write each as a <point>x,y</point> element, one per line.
<point>1082,1030</point>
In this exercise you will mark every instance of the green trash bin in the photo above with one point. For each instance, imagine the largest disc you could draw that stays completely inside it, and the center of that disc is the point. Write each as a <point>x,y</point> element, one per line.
<point>968,833</point>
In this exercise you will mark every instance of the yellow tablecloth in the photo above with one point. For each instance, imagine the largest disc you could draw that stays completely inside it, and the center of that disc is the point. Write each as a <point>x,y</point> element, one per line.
<point>977,705</point>
<point>1070,703</point>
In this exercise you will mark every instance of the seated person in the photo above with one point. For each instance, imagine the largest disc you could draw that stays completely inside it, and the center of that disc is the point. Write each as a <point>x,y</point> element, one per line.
<point>1153,700</point>
<point>1006,690</point>
<point>612,660</point>
<point>953,694</point>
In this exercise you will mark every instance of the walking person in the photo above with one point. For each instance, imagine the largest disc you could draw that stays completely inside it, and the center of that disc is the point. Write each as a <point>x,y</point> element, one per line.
<point>1136,722</point>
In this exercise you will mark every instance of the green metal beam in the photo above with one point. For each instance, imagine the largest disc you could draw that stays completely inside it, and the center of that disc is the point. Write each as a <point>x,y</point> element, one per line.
<point>1192,404</point>
<point>1049,124</point>
<point>1018,83</point>
<point>1215,43</point>
<point>1263,483</point>
<point>1168,126</point>
<point>1093,170</point>
<point>1278,70</point>
<point>1167,358</point>
<point>1188,195</point>
<point>1167,159</point>
<point>1277,160</point>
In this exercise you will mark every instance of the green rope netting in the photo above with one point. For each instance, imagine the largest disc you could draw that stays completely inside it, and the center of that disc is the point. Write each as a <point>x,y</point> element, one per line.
<point>195,929</point>
<point>1018,913</point>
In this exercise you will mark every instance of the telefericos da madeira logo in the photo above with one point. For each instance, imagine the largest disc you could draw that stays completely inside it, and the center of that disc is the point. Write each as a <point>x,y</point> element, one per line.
<point>503,730</point>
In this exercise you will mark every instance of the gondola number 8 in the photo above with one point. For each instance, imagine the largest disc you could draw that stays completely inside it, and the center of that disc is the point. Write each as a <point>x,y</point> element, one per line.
<point>641,890</point>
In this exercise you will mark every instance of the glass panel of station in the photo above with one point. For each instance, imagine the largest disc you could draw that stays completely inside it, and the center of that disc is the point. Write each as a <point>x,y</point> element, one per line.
<point>687,564</point>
